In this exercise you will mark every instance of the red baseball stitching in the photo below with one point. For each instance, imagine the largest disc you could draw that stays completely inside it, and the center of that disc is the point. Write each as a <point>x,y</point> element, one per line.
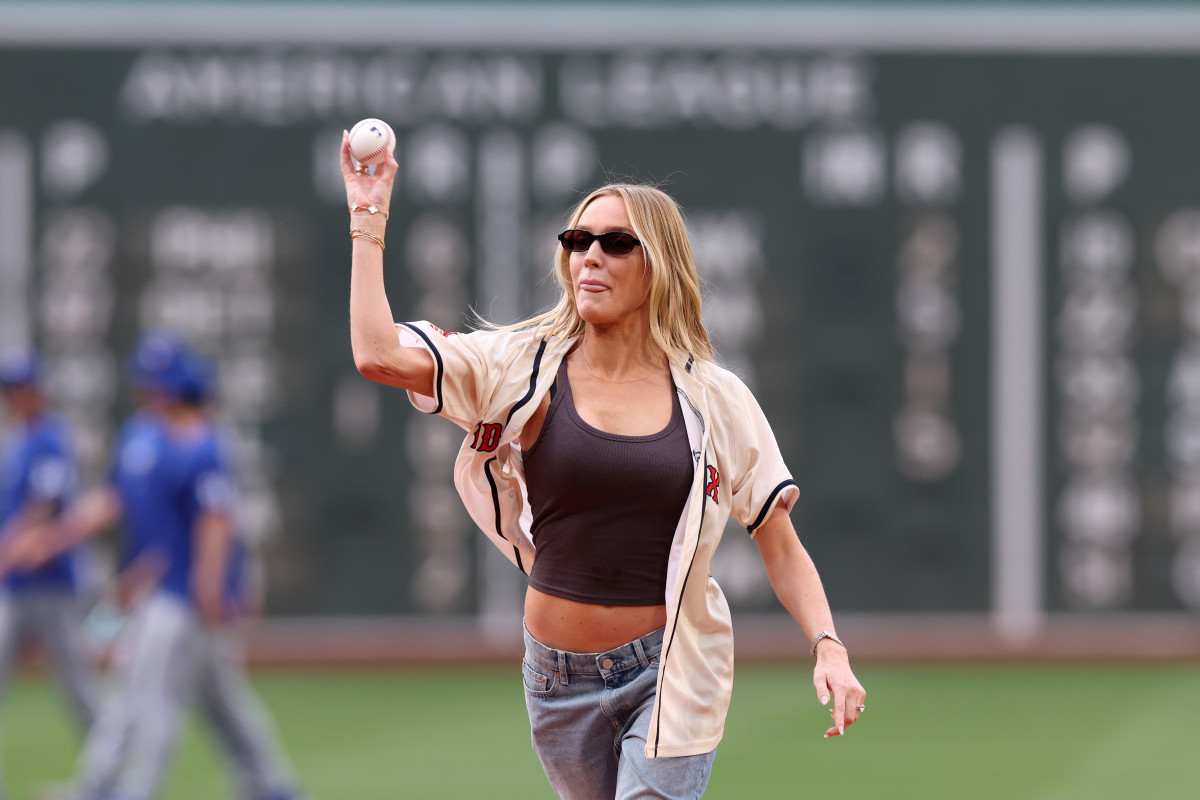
<point>387,141</point>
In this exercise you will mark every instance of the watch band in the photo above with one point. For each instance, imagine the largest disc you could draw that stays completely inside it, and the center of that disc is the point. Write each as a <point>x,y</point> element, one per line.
<point>823,635</point>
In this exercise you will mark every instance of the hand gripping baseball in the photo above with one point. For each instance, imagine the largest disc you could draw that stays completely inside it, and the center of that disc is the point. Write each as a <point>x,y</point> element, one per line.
<point>363,190</point>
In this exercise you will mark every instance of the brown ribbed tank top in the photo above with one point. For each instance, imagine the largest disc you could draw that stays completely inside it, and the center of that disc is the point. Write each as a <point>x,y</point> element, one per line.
<point>605,506</point>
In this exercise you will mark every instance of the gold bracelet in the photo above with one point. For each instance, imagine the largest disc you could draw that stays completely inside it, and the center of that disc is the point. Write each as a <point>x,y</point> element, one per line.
<point>356,232</point>
<point>373,209</point>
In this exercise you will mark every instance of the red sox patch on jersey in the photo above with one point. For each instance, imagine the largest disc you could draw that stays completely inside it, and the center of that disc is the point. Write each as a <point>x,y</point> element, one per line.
<point>487,436</point>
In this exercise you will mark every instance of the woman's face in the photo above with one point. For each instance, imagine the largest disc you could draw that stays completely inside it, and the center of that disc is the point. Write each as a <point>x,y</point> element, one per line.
<point>609,289</point>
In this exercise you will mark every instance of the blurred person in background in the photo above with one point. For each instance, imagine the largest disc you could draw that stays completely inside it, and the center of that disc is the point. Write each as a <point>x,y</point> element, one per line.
<point>38,475</point>
<point>172,485</point>
<point>633,447</point>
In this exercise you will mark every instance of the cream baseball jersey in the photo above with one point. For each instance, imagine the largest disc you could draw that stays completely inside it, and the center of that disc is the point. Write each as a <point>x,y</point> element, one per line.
<point>489,383</point>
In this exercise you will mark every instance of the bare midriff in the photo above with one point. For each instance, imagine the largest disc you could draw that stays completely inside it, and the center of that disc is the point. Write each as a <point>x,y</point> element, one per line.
<point>586,628</point>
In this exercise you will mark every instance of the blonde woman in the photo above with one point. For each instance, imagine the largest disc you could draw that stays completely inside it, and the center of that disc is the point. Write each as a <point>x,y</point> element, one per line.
<point>604,452</point>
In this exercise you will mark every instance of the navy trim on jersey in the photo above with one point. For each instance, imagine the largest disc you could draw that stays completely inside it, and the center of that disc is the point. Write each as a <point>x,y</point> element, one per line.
<point>487,470</point>
<point>487,467</point>
<point>770,502</point>
<point>679,604</point>
<point>537,366</point>
<point>437,357</point>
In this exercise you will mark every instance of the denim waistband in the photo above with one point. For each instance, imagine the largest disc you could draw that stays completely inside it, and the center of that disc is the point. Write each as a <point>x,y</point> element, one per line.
<point>638,653</point>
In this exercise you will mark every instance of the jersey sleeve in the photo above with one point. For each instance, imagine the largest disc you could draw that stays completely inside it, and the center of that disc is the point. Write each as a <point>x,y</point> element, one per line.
<point>51,471</point>
<point>467,369</point>
<point>124,437</point>
<point>762,481</point>
<point>213,483</point>
<point>51,479</point>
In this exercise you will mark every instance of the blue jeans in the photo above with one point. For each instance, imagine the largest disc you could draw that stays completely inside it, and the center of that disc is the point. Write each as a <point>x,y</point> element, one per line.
<point>590,712</point>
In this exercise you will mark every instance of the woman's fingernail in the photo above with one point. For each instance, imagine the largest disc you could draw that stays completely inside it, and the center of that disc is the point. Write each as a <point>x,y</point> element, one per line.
<point>824,699</point>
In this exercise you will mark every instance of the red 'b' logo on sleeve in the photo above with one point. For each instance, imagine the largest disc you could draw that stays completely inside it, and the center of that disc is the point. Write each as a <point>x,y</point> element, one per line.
<point>713,483</point>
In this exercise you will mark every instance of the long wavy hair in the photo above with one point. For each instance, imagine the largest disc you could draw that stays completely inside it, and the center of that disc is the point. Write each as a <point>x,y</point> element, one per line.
<point>675,304</point>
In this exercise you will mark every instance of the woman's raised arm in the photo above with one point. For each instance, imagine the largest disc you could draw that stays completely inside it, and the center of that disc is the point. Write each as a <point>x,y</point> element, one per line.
<point>378,353</point>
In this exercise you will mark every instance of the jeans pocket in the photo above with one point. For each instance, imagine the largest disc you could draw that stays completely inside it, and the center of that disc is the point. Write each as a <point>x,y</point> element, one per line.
<point>537,684</point>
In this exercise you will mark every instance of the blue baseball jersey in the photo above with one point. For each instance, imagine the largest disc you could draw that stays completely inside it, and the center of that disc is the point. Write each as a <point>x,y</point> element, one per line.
<point>139,475</point>
<point>203,481</point>
<point>167,482</point>
<point>38,468</point>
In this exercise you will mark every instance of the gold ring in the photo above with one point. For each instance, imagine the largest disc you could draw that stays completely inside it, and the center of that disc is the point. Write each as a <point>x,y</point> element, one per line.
<point>360,169</point>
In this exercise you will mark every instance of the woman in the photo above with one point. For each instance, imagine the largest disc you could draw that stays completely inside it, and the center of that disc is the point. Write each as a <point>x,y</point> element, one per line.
<point>604,433</point>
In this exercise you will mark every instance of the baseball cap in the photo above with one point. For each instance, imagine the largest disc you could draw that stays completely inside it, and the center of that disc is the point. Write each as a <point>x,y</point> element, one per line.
<point>19,367</point>
<point>189,377</point>
<point>153,355</point>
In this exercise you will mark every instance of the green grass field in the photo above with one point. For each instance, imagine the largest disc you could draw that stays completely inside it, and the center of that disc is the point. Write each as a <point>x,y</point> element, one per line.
<point>973,732</point>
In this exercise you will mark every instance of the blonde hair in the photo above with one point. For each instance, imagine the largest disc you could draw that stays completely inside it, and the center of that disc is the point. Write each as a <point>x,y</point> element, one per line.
<point>675,319</point>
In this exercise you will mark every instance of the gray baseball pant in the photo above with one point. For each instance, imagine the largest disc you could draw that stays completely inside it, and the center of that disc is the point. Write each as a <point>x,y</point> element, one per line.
<point>167,661</point>
<point>55,618</point>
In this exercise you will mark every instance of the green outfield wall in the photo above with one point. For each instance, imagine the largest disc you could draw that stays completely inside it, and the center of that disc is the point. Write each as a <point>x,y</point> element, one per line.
<point>954,250</point>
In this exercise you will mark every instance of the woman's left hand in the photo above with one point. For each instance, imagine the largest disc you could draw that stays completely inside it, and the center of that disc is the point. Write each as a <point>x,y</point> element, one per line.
<point>835,681</point>
<point>797,585</point>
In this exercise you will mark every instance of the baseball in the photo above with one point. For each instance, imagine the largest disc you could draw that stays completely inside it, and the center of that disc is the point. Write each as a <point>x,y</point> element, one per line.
<point>371,140</point>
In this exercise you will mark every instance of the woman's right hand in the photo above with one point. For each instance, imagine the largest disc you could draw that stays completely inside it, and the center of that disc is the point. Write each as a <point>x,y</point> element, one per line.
<point>367,190</point>
<point>378,353</point>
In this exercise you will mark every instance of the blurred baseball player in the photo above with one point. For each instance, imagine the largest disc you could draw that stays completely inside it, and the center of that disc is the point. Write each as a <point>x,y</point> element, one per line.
<point>37,476</point>
<point>172,486</point>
